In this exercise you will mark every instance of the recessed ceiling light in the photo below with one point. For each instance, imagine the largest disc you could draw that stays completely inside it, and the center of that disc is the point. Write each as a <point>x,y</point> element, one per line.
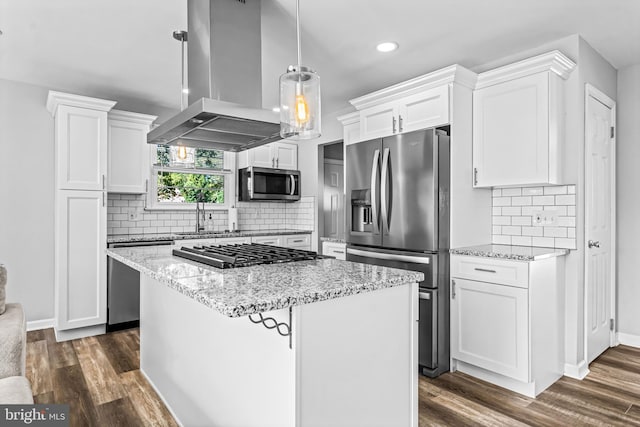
<point>387,46</point>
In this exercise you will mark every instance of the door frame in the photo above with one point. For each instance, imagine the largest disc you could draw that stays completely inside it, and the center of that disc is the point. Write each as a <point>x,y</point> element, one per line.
<point>592,91</point>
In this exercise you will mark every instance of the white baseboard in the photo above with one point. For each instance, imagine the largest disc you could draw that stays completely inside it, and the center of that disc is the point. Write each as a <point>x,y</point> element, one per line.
<point>578,371</point>
<point>628,339</point>
<point>36,325</point>
<point>72,334</point>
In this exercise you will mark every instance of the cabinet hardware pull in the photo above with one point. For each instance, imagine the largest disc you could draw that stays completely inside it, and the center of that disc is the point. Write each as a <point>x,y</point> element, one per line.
<point>338,252</point>
<point>453,289</point>
<point>298,241</point>
<point>277,162</point>
<point>146,186</point>
<point>486,270</point>
<point>399,123</point>
<point>394,124</point>
<point>273,162</point>
<point>104,203</point>
<point>424,295</point>
<point>103,179</point>
<point>475,176</point>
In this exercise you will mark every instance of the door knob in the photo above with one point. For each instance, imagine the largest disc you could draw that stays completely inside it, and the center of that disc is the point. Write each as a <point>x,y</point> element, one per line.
<point>593,244</point>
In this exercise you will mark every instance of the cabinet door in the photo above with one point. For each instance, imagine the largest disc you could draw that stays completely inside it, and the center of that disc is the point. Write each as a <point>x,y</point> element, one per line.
<point>378,121</point>
<point>81,148</point>
<point>81,262</point>
<point>424,110</point>
<point>128,157</point>
<point>286,155</point>
<point>511,132</point>
<point>489,327</point>
<point>267,240</point>
<point>262,157</point>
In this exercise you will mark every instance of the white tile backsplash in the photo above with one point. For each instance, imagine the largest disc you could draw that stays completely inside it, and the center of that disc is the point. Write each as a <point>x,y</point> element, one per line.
<point>251,216</point>
<point>513,210</point>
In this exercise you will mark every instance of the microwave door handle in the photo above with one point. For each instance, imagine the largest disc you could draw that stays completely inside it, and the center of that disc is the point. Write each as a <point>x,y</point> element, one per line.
<point>293,185</point>
<point>374,188</point>
<point>384,197</point>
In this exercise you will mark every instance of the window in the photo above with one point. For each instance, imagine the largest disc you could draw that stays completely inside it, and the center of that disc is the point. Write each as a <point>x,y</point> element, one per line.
<point>183,176</point>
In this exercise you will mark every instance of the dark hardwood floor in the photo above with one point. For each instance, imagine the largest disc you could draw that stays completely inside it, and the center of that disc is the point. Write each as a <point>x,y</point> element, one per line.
<point>99,377</point>
<point>608,396</point>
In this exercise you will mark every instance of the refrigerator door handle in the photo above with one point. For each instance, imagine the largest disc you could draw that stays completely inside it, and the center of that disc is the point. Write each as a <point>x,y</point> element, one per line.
<point>391,257</point>
<point>374,190</point>
<point>384,188</point>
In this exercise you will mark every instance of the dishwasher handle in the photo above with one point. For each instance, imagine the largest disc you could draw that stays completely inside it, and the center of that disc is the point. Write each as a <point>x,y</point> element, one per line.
<point>139,244</point>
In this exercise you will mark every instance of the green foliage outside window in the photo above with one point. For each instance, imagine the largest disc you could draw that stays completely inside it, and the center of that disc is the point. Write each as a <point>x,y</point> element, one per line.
<point>190,187</point>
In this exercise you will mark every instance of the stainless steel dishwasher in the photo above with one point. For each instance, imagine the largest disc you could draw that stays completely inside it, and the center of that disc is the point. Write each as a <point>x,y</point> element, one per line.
<point>123,289</point>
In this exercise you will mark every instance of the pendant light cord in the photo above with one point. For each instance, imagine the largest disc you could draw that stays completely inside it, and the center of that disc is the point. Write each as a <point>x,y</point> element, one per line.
<point>298,32</point>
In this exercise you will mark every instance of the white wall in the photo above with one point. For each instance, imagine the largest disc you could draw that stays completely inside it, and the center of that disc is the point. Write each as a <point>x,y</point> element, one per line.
<point>27,197</point>
<point>628,202</point>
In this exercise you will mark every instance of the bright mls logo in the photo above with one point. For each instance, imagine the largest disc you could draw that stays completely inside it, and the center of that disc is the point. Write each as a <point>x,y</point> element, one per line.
<point>34,415</point>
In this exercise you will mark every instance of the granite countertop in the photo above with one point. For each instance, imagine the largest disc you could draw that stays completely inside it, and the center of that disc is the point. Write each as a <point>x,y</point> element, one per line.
<point>242,291</point>
<point>518,253</point>
<point>333,239</point>
<point>125,238</point>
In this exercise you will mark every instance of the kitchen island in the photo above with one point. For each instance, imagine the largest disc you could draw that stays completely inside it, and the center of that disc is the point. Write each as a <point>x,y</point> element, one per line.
<point>309,343</point>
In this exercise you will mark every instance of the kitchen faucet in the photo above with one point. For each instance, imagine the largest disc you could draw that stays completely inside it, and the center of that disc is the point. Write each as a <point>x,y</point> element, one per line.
<point>199,224</point>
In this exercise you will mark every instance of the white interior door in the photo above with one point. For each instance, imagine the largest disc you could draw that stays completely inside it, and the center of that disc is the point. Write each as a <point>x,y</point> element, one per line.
<point>599,214</point>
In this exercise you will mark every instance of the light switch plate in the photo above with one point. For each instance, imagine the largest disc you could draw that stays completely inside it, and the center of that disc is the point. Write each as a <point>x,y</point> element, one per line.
<point>543,218</point>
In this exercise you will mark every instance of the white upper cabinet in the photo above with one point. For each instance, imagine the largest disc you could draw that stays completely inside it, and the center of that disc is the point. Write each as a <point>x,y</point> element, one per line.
<point>279,155</point>
<point>419,103</point>
<point>419,111</point>
<point>81,140</point>
<point>518,117</point>
<point>128,160</point>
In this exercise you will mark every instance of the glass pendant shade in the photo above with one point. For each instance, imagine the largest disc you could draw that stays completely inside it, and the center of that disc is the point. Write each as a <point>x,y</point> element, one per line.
<point>299,104</point>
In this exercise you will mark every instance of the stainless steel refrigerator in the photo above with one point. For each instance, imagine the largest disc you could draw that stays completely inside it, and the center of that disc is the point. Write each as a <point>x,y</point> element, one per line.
<point>397,192</point>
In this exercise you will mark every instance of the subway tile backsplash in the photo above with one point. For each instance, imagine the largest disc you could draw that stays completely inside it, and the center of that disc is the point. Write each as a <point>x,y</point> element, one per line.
<point>251,216</point>
<point>514,212</point>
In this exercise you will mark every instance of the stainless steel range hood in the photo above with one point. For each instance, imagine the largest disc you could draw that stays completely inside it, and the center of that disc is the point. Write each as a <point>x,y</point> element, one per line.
<point>225,81</point>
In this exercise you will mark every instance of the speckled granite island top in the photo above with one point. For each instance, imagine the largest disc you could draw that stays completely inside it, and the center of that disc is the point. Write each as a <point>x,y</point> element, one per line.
<point>517,253</point>
<point>242,291</point>
<point>156,237</point>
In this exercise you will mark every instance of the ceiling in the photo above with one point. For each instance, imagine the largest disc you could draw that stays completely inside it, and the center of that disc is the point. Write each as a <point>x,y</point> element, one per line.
<point>122,49</point>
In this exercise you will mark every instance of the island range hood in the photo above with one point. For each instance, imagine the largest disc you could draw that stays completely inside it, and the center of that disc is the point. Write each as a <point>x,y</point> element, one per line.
<point>225,81</point>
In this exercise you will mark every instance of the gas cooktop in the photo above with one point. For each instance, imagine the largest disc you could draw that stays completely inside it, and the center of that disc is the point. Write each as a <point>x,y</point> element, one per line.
<point>243,255</point>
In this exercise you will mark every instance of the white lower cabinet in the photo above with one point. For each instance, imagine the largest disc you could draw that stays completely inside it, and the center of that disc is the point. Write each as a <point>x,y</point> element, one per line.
<point>267,240</point>
<point>489,325</point>
<point>81,264</point>
<point>297,241</point>
<point>507,321</point>
<point>335,249</point>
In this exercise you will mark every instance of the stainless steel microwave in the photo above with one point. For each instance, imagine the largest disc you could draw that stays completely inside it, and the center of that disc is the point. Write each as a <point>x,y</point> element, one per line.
<point>256,184</point>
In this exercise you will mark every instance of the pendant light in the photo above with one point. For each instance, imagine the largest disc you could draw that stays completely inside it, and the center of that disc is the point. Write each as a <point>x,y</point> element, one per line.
<point>299,98</point>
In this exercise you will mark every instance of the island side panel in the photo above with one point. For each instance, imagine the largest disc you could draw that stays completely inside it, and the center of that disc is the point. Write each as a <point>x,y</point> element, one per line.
<point>356,361</point>
<point>211,369</point>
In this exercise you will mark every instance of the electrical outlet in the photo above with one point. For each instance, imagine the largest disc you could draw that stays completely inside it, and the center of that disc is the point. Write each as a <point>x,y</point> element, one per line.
<point>545,218</point>
<point>133,214</point>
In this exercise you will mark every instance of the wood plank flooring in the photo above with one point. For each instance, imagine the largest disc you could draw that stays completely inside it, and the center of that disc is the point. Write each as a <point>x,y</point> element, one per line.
<point>608,396</point>
<point>99,377</point>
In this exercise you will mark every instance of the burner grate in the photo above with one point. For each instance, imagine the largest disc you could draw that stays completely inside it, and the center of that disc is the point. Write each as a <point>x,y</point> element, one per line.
<point>243,255</point>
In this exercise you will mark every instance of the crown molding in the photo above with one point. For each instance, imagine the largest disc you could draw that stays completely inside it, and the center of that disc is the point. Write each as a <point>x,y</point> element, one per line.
<point>554,61</point>
<point>452,74</point>
<point>54,99</point>
<point>128,116</point>
<point>348,119</point>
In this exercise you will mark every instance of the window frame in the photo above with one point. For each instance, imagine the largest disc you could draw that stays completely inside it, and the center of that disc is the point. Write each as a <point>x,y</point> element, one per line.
<point>152,203</point>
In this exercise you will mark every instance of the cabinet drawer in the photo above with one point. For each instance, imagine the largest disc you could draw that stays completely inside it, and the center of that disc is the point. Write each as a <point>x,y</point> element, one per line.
<point>337,250</point>
<point>267,240</point>
<point>505,272</point>
<point>300,241</point>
